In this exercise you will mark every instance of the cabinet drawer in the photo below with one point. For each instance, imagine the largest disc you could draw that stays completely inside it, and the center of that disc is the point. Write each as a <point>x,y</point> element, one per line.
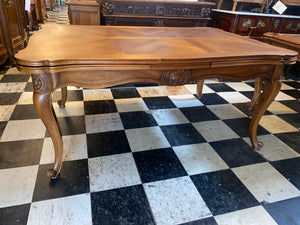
<point>254,26</point>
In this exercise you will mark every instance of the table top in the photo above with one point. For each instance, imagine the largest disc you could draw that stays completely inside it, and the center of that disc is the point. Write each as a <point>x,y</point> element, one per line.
<point>60,45</point>
<point>288,38</point>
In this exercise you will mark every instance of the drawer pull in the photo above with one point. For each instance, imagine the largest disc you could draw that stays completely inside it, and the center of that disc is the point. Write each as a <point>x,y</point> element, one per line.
<point>289,27</point>
<point>9,2</point>
<point>258,25</point>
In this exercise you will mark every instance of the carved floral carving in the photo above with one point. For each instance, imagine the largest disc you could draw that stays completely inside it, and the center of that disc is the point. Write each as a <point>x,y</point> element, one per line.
<point>108,8</point>
<point>176,77</point>
<point>37,83</point>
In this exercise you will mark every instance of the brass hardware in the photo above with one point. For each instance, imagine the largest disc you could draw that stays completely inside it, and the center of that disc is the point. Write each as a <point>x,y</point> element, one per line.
<point>258,25</point>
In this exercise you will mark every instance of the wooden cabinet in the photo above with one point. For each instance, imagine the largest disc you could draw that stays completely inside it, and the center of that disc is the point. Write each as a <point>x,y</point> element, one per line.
<point>156,13</point>
<point>255,24</point>
<point>3,50</point>
<point>84,12</point>
<point>50,4</point>
<point>13,27</point>
<point>40,10</point>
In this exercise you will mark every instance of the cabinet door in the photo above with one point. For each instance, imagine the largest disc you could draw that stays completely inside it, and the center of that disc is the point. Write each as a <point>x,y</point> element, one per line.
<point>3,50</point>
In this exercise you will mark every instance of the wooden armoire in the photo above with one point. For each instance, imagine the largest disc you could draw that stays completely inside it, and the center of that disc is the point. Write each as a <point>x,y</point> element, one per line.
<point>13,28</point>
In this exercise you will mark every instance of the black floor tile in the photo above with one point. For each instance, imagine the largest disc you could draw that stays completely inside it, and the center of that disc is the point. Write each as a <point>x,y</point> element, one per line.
<point>127,205</point>
<point>99,107</point>
<point>198,114</point>
<point>223,192</point>
<point>285,212</point>
<point>158,164</point>
<point>250,83</point>
<point>125,93</point>
<point>292,139</point>
<point>71,125</point>
<point>73,95</point>
<point>145,84</point>
<point>182,134</point>
<point>241,127</point>
<point>290,169</point>
<point>293,119</point>
<point>2,127</point>
<point>15,78</point>
<point>220,87</point>
<point>9,98</point>
<point>24,112</point>
<point>14,215</point>
<point>28,87</point>
<point>107,143</point>
<point>138,119</point>
<point>292,93</point>
<point>236,152</point>
<point>243,107</point>
<point>212,99</point>
<point>206,221</point>
<point>20,153</point>
<point>73,180</point>
<point>295,105</point>
<point>159,102</point>
<point>248,94</point>
<point>293,84</point>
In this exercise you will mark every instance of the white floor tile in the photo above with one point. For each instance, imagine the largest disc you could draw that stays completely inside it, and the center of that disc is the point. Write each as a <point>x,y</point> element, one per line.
<point>274,124</point>
<point>72,108</point>
<point>234,97</point>
<point>282,97</point>
<point>75,147</point>
<point>169,116</point>
<point>215,130</point>
<point>67,211</point>
<point>162,91</point>
<point>26,98</point>
<point>12,70</point>
<point>12,87</point>
<point>182,101</point>
<point>175,201</point>
<point>274,149</point>
<point>193,89</point>
<point>115,171</point>
<point>6,111</point>
<point>23,130</point>
<point>279,108</point>
<point>146,139</point>
<point>226,111</point>
<point>103,122</point>
<point>266,183</point>
<point>17,185</point>
<point>251,216</point>
<point>97,94</point>
<point>199,158</point>
<point>130,105</point>
<point>240,86</point>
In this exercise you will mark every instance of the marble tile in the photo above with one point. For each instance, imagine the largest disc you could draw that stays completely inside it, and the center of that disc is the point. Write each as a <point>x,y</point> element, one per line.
<point>130,105</point>
<point>197,114</point>
<point>175,201</point>
<point>6,111</point>
<point>283,97</point>
<point>240,86</point>
<point>193,89</point>
<point>162,102</point>
<point>69,210</point>
<point>212,99</point>
<point>286,86</point>
<point>292,139</point>
<point>254,216</point>
<point>234,97</point>
<point>127,205</point>
<point>124,93</point>
<point>24,112</point>
<point>131,120</point>
<point>107,143</point>
<point>97,94</point>
<point>19,130</point>
<point>26,98</point>
<point>75,147</point>
<point>279,108</point>
<point>269,186</point>
<point>227,111</point>
<point>182,101</point>
<point>99,107</point>
<point>17,185</point>
<point>215,130</point>
<point>73,108</point>
<point>9,98</point>
<point>103,122</point>
<point>162,91</point>
<point>13,70</point>
<point>274,149</point>
<point>199,158</point>
<point>168,116</point>
<point>285,212</point>
<point>220,87</point>
<point>115,171</point>
<point>74,94</point>
<point>146,139</point>
<point>12,87</point>
<point>274,124</point>
<point>15,214</point>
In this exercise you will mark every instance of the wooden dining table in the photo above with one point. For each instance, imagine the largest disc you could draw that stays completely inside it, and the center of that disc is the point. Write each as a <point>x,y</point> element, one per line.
<point>58,56</point>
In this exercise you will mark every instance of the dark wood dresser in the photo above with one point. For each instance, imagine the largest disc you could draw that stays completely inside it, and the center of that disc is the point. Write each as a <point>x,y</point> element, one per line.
<point>156,13</point>
<point>84,12</point>
<point>255,24</point>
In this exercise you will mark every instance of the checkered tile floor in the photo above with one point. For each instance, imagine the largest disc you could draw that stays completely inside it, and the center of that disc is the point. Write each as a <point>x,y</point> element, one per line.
<point>148,154</point>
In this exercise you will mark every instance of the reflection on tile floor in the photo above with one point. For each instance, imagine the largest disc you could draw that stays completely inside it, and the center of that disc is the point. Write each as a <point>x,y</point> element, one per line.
<point>148,154</point>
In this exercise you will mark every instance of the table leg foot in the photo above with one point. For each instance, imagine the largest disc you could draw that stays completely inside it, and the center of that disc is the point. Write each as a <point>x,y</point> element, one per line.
<point>259,145</point>
<point>64,94</point>
<point>52,174</point>
<point>199,88</point>
<point>271,89</point>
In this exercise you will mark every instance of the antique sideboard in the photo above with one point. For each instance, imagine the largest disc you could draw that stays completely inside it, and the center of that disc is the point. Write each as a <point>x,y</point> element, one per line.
<point>255,25</point>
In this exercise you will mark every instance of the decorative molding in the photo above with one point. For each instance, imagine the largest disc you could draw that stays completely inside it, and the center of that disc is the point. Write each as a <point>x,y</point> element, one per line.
<point>108,8</point>
<point>37,83</point>
<point>176,77</point>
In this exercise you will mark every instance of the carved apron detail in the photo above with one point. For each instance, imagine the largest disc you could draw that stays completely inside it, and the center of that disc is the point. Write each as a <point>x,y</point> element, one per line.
<point>176,77</point>
<point>37,83</point>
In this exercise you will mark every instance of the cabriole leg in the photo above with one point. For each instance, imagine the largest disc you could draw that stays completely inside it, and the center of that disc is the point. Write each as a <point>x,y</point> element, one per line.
<point>42,99</point>
<point>257,90</point>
